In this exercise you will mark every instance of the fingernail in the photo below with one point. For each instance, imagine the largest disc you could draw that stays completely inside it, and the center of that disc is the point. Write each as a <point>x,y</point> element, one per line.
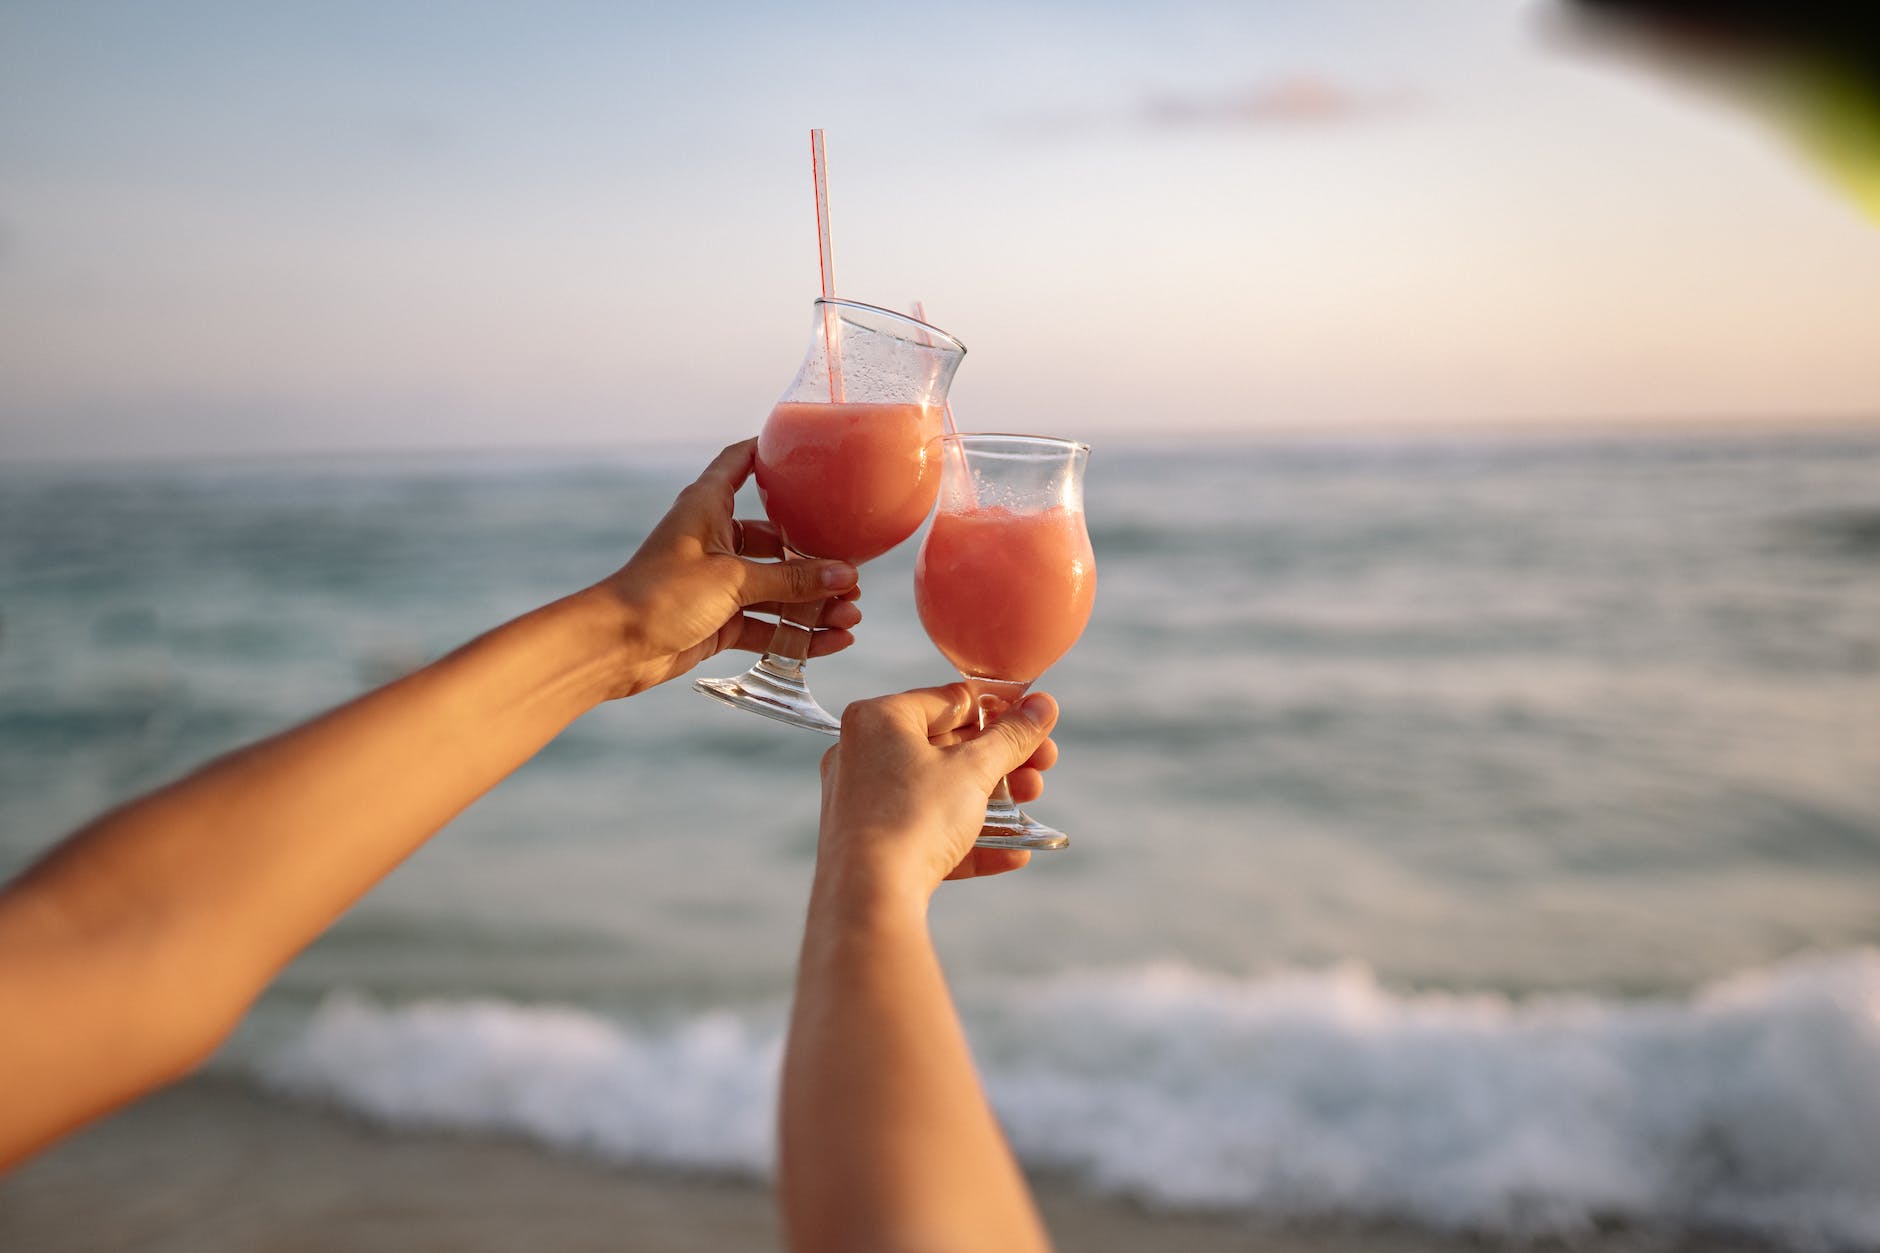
<point>838,576</point>
<point>1033,707</point>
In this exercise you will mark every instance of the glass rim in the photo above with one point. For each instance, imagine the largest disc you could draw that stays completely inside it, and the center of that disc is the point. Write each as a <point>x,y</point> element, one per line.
<point>908,318</point>
<point>1020,444</point>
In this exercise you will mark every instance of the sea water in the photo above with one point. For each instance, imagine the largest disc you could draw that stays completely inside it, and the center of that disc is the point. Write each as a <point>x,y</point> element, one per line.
<point>1481,832</point>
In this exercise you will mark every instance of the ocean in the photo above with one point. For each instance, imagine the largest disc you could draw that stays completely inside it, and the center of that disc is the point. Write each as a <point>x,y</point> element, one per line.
<point>1476,832</point>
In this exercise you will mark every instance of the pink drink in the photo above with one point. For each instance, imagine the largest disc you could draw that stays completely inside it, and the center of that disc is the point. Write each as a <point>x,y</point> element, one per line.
<point>1004,593</point>
<point>847,481</point>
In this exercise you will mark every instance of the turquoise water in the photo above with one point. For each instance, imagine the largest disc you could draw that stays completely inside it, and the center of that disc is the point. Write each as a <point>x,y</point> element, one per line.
<point>1359,728</point>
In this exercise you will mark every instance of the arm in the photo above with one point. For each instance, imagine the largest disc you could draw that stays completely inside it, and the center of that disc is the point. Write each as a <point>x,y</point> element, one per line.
<point>129,951</point>
<point>888,1143</point>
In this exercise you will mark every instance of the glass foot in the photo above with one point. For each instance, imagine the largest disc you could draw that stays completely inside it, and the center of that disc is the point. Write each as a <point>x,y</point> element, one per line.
<point>784,697</point>
<point>1008,826</point>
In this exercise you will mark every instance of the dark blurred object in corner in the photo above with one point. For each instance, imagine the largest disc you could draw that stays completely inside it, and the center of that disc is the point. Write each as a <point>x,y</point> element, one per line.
<point>1851,27</point>
<point>1813,63</point>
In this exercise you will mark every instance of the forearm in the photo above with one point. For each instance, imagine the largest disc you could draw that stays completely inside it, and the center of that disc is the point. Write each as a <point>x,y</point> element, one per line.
<point>144,936</point>
<point>887,1142</point>
<point>270,843</point>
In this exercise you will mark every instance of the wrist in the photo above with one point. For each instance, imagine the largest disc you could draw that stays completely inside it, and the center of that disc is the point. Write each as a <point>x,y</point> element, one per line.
<point>864,894</point>
<point>598,627</point>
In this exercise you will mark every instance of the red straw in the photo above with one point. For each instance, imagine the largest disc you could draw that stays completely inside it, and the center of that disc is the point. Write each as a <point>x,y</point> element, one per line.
<point>819,170</point>
<point>946,416</point>
<point>946,409</point>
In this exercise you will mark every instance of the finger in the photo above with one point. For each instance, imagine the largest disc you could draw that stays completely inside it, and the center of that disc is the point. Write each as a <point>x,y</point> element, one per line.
<point>751,635</point>
<point>934,710</point>
<point>703,510</point>
<point>754,635</point>
<point>837,613</point>
<point>1027,784</point>
<point>761,539</point>
<point>834,640</point>
<point>1045,758</point>
<point>979,863</point>
<point>794,582</point>
<point>729,469</point>
<point>1011,740</point>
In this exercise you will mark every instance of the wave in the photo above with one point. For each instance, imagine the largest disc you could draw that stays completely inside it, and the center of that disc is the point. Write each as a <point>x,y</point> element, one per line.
<point>1751,1105</point>
<point>700,1095</point>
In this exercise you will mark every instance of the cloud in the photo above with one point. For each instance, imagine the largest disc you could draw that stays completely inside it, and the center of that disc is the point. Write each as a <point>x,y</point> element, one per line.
<point>1291,100</point>
<point>1299,99</point>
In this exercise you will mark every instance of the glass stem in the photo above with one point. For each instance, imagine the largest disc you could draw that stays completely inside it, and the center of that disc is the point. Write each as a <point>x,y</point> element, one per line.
<point>789,645</point>
<point>992,697</point>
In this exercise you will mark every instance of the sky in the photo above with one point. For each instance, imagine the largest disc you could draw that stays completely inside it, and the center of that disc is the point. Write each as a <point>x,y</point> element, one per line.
<point>232,228</point>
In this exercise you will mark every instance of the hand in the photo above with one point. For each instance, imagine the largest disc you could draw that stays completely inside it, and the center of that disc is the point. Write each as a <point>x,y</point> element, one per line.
<point>690,589</point>
<point>904,792</point>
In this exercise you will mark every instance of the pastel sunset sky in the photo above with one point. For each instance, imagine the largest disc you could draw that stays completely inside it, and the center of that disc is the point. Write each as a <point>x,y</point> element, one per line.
<point>234,228</point>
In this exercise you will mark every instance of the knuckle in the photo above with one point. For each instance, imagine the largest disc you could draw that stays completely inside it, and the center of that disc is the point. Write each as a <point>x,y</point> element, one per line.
<point>863,715</point>
<point>1020,734</point>
<point>725,571</point>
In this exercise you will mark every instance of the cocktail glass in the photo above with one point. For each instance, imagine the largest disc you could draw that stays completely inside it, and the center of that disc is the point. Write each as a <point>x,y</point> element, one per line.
<point>847,468</point>
<point>1005,581</point>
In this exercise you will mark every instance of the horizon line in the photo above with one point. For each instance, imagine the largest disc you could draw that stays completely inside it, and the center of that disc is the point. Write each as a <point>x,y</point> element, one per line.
<point>1407,430</point>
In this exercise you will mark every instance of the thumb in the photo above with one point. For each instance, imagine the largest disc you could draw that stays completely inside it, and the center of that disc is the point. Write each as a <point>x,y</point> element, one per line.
<point>794,581</point>
<point>1009,742</point>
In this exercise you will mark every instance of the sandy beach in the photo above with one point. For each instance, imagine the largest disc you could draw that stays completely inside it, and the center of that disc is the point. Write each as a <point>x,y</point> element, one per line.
<point>210,1166</point>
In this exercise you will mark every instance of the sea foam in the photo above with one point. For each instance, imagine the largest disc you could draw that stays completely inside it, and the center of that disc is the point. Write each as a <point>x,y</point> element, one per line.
<point>1753,1104</point>
<point>699,1095</point>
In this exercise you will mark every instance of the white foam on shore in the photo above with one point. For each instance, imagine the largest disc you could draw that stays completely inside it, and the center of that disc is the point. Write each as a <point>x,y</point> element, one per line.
<point>1754,1104</point>
<point>700,1095</point>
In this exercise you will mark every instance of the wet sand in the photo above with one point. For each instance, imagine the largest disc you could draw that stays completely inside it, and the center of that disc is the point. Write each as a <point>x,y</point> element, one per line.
<point>210,1166</point>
